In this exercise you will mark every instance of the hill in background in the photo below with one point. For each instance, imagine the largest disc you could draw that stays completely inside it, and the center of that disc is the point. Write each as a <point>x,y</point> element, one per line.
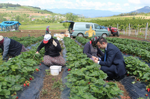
<point>145,9</point>
<point>26,14</point>
<point>91,13</point>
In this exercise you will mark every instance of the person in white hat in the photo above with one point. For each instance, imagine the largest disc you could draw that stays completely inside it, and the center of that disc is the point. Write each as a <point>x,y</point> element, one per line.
<point>10,47</point>
<point>52,49</point>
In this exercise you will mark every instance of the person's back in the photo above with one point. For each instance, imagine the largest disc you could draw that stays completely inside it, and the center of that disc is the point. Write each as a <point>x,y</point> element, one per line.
<point>10,47</point>
<point>14,47</point>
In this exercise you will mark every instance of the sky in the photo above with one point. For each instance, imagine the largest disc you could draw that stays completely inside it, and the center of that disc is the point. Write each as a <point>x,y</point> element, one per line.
<point>122,6</point>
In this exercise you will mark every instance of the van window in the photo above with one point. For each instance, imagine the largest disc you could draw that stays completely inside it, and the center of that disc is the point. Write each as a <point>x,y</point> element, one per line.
<point>78,26</point>
<point>97,26</point>
<point>88,25</point>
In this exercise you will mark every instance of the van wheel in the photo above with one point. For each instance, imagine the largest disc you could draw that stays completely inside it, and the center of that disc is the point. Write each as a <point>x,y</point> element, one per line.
<point>104,35</point>
<point>80,35</point>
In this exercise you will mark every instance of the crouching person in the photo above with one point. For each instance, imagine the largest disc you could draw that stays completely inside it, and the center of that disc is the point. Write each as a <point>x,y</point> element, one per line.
<point>10,47</point>
<point>52,49</point>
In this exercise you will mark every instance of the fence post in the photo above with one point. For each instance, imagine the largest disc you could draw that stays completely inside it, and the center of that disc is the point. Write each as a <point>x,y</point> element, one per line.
<point>129,29</point>
<point>126,31</point>
<point>138,29</point>
<point>146,31</point>
<point>117,26</point>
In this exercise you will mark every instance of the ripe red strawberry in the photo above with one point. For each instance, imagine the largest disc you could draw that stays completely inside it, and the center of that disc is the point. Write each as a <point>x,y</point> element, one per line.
<point>37,69</point>
<point>28,84</point>
<point>17,97</point>
<point>127,74</point>
<point>106,81</point>
<point>137,79</point>
<point>40,63</point>
<point>30,78</point>
<point>24,84</point>
<point>88,82</point>
<point>146,94</point>
<point>148,89</point>
<point>69,69</point>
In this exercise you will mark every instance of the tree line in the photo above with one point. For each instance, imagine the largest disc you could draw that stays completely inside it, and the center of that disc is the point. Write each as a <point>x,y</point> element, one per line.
<point>123,24</point>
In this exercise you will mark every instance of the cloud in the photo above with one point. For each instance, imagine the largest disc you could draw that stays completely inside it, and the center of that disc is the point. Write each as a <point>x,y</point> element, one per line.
<point>77,4</point>
<point>140,2</point>
<point>146,2</point>
<point>134,1</point>
<point>126,4</point>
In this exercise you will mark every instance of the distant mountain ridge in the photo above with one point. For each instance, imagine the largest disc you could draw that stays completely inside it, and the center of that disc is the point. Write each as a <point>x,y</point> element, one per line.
<point>145,9</point>
<point>86,13</point>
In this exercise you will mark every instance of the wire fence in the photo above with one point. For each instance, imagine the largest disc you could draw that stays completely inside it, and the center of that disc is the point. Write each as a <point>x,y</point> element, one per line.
<point>139,32</point>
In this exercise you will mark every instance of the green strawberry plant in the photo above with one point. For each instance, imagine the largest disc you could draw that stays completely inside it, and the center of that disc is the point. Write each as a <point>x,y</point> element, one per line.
<point>85,79</point>
<point>18,70</point>
<point>135,66</point>
<point>135,43</point>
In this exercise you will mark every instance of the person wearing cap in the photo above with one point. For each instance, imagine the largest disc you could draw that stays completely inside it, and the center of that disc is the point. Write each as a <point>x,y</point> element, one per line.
<point>10,47</point>
<point>52,49</point>
<point>91,50</point>
<point>47,30</point>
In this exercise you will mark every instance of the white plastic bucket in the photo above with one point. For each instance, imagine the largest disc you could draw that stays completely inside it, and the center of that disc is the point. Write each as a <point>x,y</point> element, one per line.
<point>54,70</point>
<point>60,68</point>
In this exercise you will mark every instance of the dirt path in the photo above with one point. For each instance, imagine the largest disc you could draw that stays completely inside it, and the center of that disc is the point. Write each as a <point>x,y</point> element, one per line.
<point>35,33</point>
<point>131,37</point>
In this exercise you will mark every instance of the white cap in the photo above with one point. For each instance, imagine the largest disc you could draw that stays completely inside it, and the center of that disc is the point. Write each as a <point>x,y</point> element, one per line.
<point>1,37</point>
<point>47,37</point>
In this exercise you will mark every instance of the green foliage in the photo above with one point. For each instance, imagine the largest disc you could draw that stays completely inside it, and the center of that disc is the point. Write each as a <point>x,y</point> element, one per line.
<point>137,48</point>
<point>134,66</point>
<point>27,41</point>
<point>82,40</point>
<point>85,79</point>
<point>16,71</point>
<point>71,17</point>
<point>44,92</point>
<point>122,22</point>
<point>66,25</point>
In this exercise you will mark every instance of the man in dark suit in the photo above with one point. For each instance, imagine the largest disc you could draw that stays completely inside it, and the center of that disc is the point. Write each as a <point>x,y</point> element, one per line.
<point>112,61</point>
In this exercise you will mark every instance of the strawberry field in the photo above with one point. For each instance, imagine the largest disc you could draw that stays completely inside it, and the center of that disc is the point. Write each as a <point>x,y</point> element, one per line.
<point>18,71</point>
<point>84,79</point>
<point>136,55</point>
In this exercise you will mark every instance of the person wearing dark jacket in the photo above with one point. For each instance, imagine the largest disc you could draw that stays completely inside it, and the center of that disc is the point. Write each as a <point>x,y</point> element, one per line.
<point>90,49</point>
<point>112,62</point>
<point>52,49</point>
<point>10,47</point>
